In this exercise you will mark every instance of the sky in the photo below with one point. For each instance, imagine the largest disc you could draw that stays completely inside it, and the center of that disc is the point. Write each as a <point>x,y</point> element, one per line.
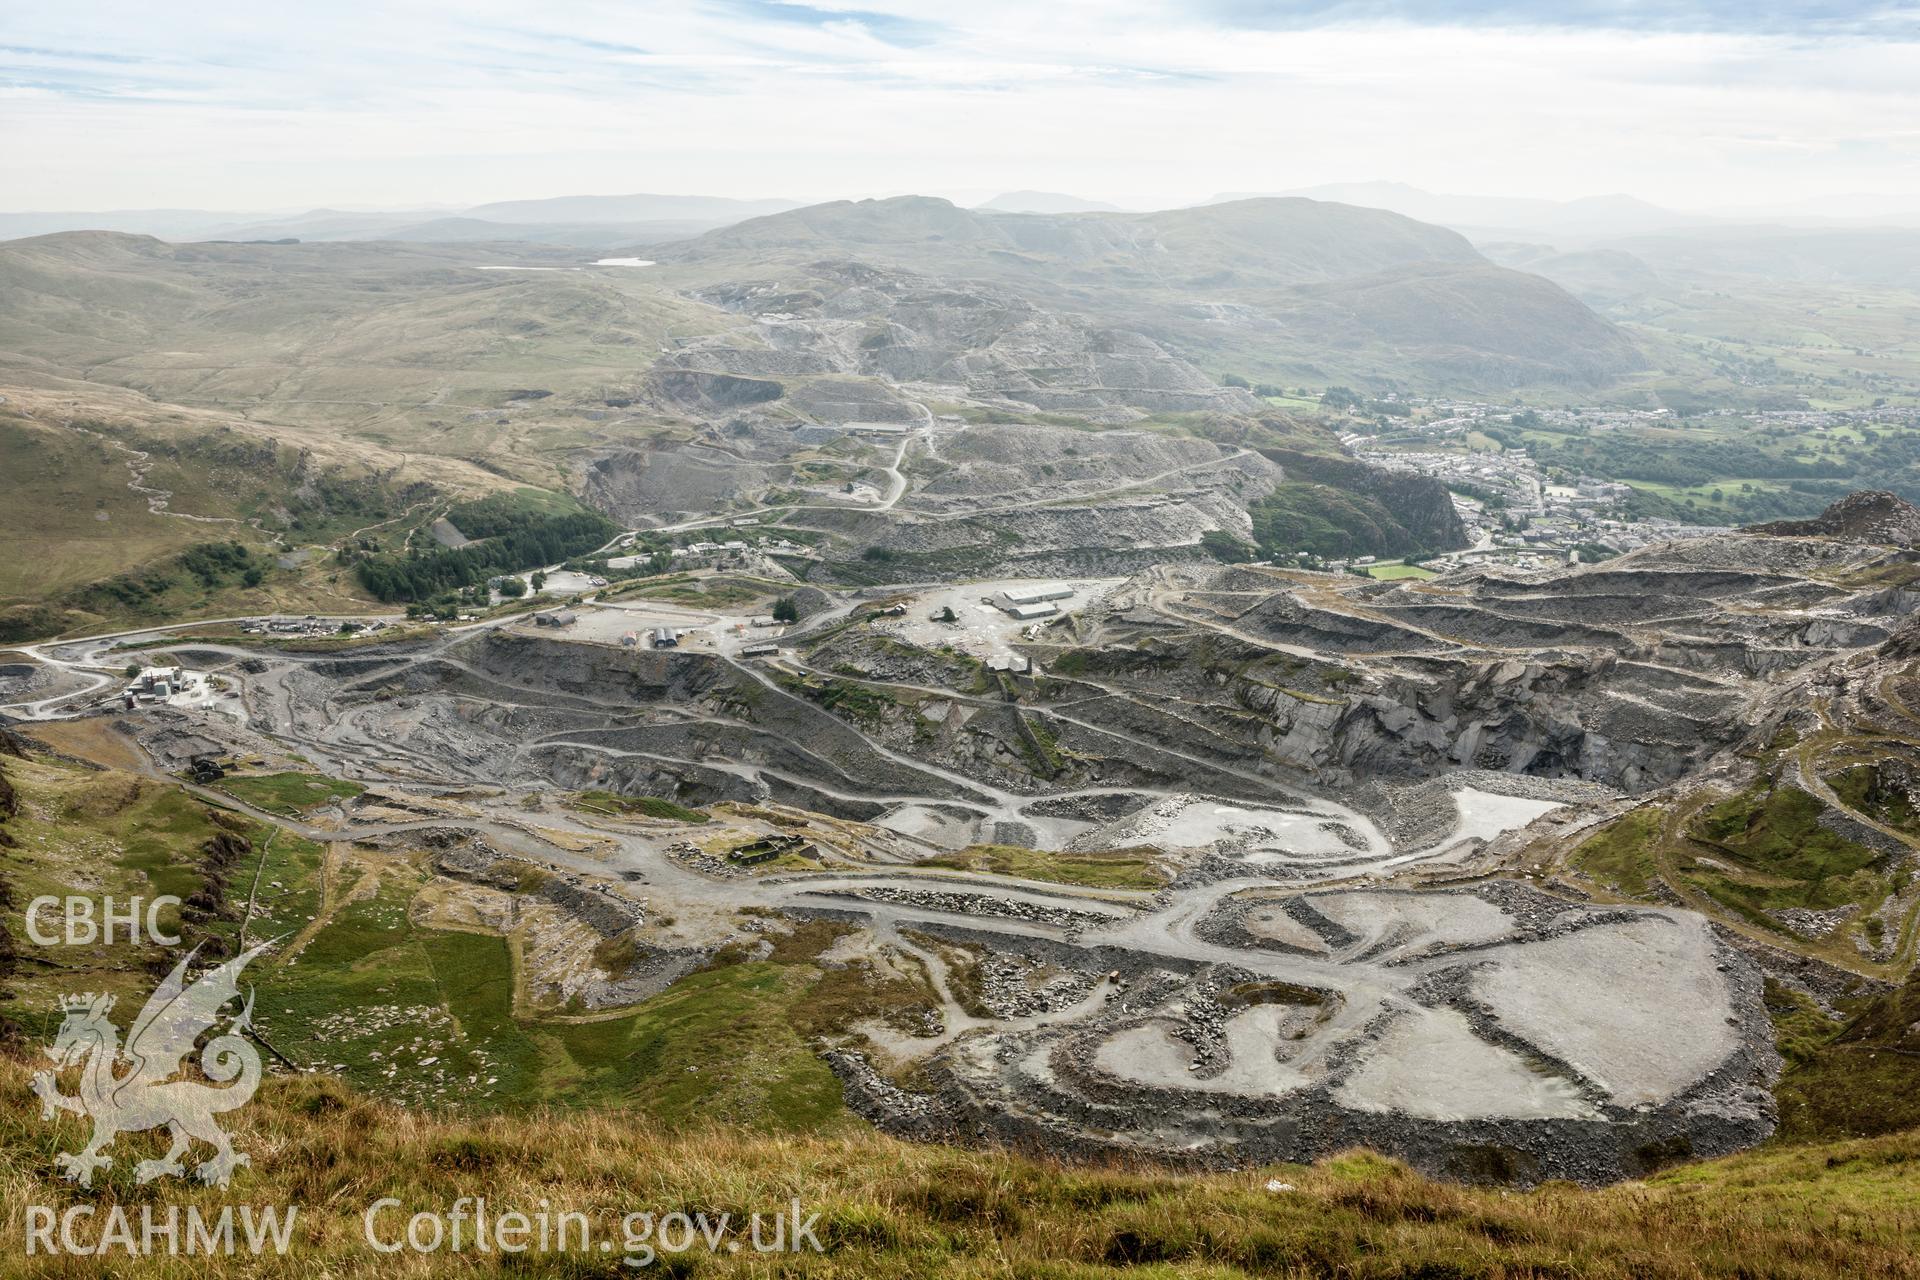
<point>1144,103</point>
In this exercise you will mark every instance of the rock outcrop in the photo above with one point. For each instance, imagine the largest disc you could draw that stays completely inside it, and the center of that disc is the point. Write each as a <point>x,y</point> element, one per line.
<point>1871,515</point>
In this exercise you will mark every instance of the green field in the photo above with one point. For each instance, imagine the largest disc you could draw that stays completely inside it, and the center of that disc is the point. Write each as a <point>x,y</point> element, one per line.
<point>70,491</point>
<point>430,1017</point>
<point>1398,572</point>
<point>1836,346</point>
<point>414,1013</point>
<point>717,592</point>
<point>290,795</point>
<point>1729,496</point>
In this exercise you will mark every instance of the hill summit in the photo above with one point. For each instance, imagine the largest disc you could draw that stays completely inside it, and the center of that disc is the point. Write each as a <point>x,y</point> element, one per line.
<point>1281,290</point>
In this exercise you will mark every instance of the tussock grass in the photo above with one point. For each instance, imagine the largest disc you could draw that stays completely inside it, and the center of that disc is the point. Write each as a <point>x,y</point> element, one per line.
<point>1860,1078</point>
<point>889,1209</point>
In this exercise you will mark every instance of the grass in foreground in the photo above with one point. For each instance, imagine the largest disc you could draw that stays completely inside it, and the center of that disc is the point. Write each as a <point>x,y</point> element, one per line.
<point>888,1209</point>
<point>1856,1078</point>
<point>676,1106</point>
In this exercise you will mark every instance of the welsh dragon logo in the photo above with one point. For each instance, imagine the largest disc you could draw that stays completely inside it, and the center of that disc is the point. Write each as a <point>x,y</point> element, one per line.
<point>144,1095</point>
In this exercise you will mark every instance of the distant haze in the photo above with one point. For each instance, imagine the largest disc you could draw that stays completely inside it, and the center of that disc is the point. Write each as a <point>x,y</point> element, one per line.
<point>605,221</point>
<point>1141,104</point>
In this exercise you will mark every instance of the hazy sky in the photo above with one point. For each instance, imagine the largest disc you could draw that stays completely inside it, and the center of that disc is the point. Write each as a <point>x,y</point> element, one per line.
<point>209,104</point>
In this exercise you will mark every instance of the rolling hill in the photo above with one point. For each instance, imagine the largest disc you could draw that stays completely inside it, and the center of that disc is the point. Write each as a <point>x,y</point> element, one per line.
<point>379,339</point>
<point>1275,289</point>
<point>1280,241</point>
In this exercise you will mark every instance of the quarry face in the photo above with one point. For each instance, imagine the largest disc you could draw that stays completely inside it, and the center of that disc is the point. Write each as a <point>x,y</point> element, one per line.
<point>1213,865</point>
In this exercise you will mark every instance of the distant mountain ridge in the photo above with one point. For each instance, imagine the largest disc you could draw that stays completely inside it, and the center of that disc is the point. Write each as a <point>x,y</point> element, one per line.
<point>1265,241</point>
<point>590,220</point>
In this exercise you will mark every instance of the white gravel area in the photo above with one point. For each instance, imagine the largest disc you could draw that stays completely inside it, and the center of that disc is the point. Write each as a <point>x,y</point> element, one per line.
<point>925,822</point>
<point>1640,1008</point>
<point>1246,832</point>
<point>1484,815</point>
<point>1430,1064</point>
<point>1415,921</point>
<point>1150,1054</point>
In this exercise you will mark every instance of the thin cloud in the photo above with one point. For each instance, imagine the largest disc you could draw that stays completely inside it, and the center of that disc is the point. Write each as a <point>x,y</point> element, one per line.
<point>1138,101</point>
